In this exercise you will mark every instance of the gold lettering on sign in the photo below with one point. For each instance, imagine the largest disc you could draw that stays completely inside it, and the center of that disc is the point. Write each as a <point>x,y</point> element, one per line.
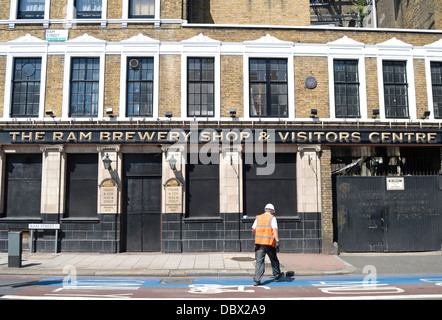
<point>57,136</point>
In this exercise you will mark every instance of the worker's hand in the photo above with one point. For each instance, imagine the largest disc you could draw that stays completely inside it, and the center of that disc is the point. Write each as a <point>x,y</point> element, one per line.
<point>277,246</point>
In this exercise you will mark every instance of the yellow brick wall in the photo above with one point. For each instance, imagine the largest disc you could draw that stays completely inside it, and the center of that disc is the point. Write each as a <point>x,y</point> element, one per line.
<point>307,99</point>
<point>420,82</point>
<point>4,11</point>
<point>114,9</point>
<point>416,14</point>
<point>54,84</point>
<point>112,85</point>
<point>172,9</point>
<point>371,76</point>
<point>265,12</point>
<point>232,92</point>
<point>58,9</point>
<point>170,85</point>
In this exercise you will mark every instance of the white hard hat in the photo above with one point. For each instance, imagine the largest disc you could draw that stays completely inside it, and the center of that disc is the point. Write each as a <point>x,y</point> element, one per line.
<point>269,206</point>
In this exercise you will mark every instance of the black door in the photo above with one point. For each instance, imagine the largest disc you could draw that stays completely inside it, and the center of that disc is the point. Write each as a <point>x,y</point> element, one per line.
<point>142,185</point>
<point>278,188</point>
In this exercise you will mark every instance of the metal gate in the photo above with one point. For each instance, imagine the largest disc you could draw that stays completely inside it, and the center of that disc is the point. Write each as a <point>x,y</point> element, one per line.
<point>388,214</point>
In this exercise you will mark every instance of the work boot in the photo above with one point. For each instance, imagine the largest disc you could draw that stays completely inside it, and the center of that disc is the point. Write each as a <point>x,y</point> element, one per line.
<point>280,275</point>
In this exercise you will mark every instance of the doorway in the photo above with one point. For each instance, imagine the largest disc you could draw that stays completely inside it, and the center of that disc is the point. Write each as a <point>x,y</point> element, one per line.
<point>142,202</point>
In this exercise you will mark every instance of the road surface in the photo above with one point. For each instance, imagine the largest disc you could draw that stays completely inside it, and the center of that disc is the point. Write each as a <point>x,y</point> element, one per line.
<point>423,286</point>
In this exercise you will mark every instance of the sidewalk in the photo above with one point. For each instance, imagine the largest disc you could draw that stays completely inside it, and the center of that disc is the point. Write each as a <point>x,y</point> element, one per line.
<point>173,265</point>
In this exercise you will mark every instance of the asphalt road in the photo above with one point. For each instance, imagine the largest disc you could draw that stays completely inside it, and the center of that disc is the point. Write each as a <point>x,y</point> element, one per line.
<point>370,287</point>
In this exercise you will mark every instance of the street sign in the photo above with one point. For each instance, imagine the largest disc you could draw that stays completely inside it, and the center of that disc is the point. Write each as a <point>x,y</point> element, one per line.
<point>44,226</point>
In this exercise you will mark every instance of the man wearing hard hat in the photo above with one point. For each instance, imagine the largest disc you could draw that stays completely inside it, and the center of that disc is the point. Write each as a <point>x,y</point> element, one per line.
<point>265,229</point>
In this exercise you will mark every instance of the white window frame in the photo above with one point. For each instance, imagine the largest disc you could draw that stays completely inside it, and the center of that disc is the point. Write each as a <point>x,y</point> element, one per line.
<point>362,87</point>
<point>67,85</point>
<point>72,19</point>
<point>25,47</point>
<point>201,46</point>
<point>125,14</point>
<point>123,86</point>
<point>216,86</point>
<point>290,86</point>
<point>269,47</point>
<point>396,50</point>
<point>411,92</point>
<point>139,46</point>
<point>13,20</point>
<point>428,61</point>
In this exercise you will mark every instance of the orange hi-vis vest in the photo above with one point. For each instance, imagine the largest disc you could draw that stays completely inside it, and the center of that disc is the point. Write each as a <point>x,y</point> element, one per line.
<point>264,230</point>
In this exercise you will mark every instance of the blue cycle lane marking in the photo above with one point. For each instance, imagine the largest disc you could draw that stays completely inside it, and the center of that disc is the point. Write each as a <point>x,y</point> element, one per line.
<point>93,282</point>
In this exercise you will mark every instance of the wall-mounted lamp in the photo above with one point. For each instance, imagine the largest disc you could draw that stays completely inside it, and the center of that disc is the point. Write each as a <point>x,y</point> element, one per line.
<point>426,115</point>
<point>375,113</point>
<point>313,113</point>
<point>172,163</point>
<point>50,113</point>
<point>233,113</point>
<point>168,114</point>
<point>107,162</point>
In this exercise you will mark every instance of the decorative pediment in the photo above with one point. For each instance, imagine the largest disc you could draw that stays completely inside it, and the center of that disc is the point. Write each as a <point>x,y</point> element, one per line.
<point>27,39</point>
<point>201,39</point>
<point>346,42</point>
<point>140,38</point>
<point>437,44</point>
<point>393,42</point>
<point>268,40</point>
<point>86,38</point>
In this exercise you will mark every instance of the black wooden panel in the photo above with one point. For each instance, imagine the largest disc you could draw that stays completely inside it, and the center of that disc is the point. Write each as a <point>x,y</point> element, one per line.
<point>279,188</point>
<point>23,185</point>
<point>202,190</point>
<point>81,185</point>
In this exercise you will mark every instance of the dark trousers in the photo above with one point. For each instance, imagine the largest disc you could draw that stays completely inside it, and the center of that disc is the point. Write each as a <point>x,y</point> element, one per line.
<point>260,254</point>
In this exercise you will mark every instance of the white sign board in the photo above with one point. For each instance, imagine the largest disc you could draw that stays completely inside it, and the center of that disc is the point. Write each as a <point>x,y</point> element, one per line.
<point>57,35</point>
<point>395,183</point>
<point>41,226</point>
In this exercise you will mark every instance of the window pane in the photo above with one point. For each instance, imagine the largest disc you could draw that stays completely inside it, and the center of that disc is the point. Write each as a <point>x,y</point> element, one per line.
<point>395,89</point>
<point>200,87</point>
<point>436,81</point>
<point>88,9</point>
<point>26,87</point>
<point>268,88</point>
<point>31,9</point>
<point>258,99</point>
<point>84,87</point>
<point>141,8</point>
<point>140,87</point>
<point>346,88</point>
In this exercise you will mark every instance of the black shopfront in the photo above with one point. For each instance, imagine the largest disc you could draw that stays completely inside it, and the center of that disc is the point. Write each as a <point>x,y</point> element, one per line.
<point>140,221</point>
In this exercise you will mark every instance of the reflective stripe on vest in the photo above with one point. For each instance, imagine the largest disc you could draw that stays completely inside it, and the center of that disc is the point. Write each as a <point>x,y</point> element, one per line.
<point>264,230</point>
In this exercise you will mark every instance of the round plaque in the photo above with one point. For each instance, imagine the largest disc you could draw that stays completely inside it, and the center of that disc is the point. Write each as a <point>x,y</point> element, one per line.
<point>310,82</point>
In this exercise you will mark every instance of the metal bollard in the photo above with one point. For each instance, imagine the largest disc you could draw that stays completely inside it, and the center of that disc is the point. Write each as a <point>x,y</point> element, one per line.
<point>14,249</point>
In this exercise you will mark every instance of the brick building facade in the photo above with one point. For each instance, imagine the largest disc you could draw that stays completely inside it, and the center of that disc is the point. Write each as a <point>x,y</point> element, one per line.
<point>140,83</point>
